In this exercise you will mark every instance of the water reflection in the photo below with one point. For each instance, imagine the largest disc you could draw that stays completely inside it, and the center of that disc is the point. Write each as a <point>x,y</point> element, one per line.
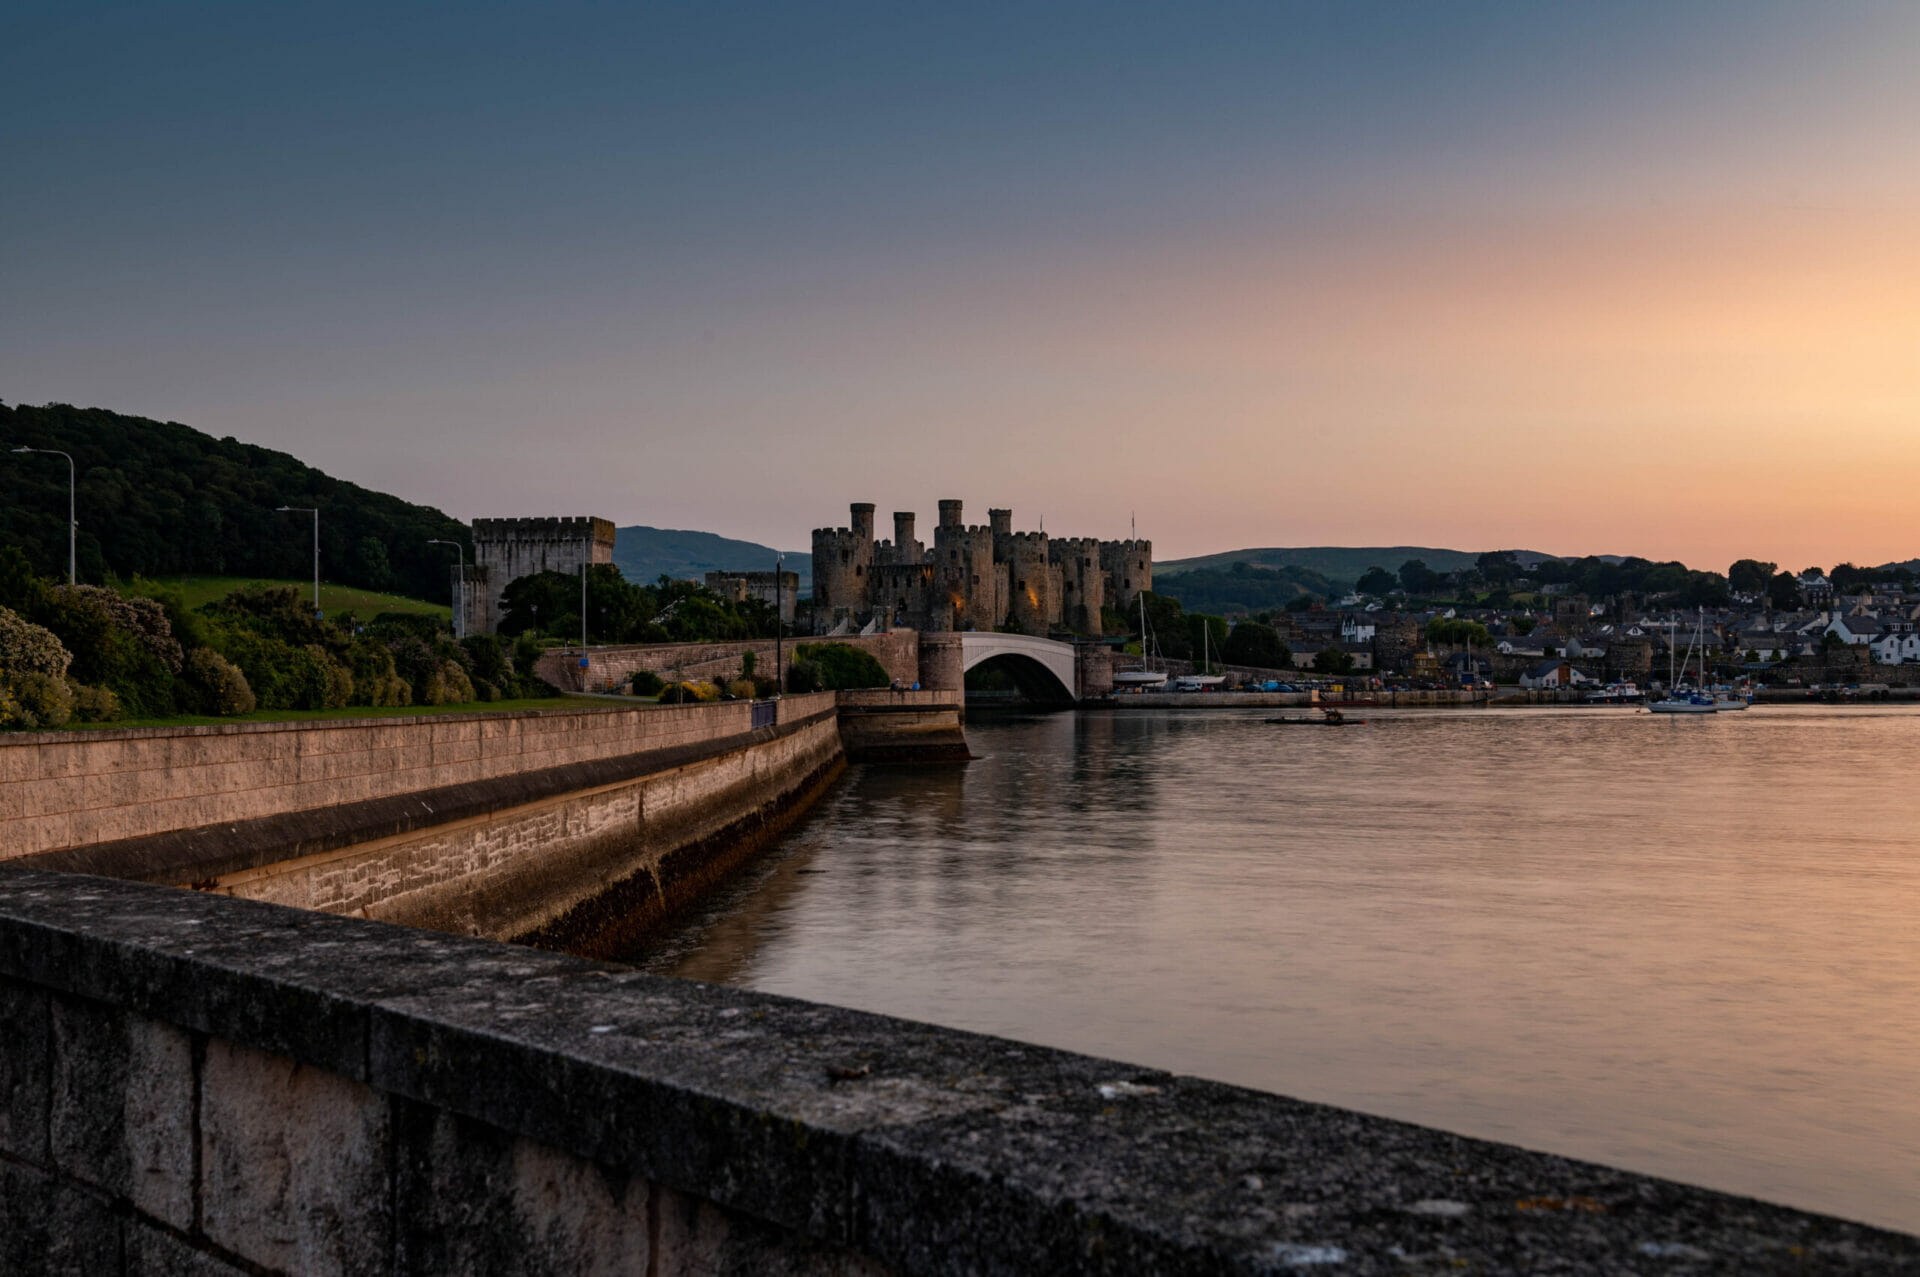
<point>1685,946</point>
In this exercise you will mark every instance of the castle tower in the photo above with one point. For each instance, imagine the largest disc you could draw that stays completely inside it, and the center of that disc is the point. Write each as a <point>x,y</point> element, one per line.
<point>1001,521</point>
<point>843,570</point>
<point>950,513</point>
<point>1032,606</point>
<point>1083,583</point>
<point>504,550</point>
<point>906,550</point>
<point>1129,570</point>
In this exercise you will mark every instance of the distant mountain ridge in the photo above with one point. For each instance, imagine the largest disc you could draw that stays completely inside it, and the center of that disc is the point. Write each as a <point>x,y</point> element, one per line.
<point>1340,563</point>
<point>644,554</point>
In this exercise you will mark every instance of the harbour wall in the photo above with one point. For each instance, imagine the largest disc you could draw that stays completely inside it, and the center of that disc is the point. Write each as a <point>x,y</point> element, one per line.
<point>646,809</point>
<point>82,788</point>
<point>199,1084</point>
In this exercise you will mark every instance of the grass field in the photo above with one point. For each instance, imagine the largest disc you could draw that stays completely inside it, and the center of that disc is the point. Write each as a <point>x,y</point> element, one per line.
<point>334,599</point>
<point>351,711</point>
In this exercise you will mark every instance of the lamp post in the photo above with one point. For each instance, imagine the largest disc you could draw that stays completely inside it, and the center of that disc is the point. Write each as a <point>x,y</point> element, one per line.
<point>460,594</point>
<point>779,628</point>
<point>73,524</point>
<point>301,509</point>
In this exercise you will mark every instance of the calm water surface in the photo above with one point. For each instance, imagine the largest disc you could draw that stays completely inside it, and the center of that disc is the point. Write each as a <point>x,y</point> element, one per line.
<point>1687,946</point>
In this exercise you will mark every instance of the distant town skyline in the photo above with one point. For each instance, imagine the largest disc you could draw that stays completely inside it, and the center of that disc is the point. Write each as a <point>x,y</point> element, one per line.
<point>1638,279</point>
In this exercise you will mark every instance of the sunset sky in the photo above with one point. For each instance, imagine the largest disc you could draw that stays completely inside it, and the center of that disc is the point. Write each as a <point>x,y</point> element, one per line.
<point>1583,279</point>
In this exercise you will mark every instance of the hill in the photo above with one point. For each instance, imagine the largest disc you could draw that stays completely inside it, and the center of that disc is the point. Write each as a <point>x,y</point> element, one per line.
<point>642,554</point>
<point>334,598</point>
<point>1242,588</point>
<point>159,499</point>
<point>1340,564</point>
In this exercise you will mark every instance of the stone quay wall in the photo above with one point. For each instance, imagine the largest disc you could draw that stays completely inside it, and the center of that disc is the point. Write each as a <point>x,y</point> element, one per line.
<point>196,1084</point>
<point>80,788</point>
<point>609,668</point>
<point>588,854</point>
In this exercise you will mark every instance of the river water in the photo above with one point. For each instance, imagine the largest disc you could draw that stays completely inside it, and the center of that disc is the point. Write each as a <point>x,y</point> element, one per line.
<point>1685,946</point>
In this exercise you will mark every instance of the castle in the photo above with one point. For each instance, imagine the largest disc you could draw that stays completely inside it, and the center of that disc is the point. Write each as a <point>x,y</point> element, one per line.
<point>973,578</point>
<point>504,550</point>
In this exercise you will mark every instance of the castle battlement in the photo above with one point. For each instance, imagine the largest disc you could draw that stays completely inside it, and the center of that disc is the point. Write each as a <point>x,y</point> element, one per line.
<point>974,576</point>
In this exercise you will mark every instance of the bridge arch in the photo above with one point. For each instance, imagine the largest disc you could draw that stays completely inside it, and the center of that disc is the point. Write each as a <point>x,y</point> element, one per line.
<point>1041,668</point>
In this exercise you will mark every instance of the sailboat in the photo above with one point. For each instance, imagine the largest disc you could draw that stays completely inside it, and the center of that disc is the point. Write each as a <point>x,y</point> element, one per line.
<point>1201,682</point>
<point>1682,700</point>
<point>1143,678</point>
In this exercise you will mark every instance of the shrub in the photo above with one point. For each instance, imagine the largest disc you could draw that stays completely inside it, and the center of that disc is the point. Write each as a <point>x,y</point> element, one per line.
<point>741,689</point>
<point>218,685</point>
<point>646,683</point>
<point>94,704</point>
<point>747,662</point>
<point>339,679</point>
<point>765,687</point>
<point>455,684</point>
<point>26,648</point>
<point>671,694</point>
<point>803,676</point>
<point>487,661</point>
<point>840,666</point>
<point>44,699</point>
<point>12,716</point>
<point>374,679</point>
<point>142,618</point>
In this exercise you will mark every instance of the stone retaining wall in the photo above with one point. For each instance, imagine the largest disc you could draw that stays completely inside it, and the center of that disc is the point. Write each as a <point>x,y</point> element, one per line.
<point>609,668</point>
<point>196,1084</point>
<point>78,788</point>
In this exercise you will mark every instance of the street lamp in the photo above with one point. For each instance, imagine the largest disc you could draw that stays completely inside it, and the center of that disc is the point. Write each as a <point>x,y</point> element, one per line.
<point>301,509</point>
<point>73,524</point>
<point>459,595</point>
<point>779,627</point>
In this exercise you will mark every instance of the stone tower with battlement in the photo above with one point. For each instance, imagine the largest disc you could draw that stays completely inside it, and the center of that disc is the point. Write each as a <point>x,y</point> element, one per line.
<point>973,577</point>
<point>1129,569</point>
<point>504,550</point>
<point>1082,582</point>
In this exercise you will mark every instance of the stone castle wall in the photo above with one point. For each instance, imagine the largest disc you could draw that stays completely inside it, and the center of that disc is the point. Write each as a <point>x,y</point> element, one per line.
<point>504,550</point>
<point>974,577</point>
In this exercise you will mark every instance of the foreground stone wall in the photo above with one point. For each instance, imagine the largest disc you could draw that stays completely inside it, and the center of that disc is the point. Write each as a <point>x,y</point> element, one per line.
<point>195,1084</point>
<point>74,789</point>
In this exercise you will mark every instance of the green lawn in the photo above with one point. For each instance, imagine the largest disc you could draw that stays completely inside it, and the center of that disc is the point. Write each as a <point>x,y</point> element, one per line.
<point>365,604</point>
<point>353,711</point>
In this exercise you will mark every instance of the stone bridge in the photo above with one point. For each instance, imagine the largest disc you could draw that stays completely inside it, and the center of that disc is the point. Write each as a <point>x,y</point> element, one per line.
<point>1043,669</point>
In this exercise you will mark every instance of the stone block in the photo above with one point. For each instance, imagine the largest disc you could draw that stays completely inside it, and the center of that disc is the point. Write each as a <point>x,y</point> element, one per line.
<point>122,1106</point>
<point>294,1164</point>
<point>19,763</point>
<point>472,1198</point>
<point>50,1227</point>
<point>26,1029</point>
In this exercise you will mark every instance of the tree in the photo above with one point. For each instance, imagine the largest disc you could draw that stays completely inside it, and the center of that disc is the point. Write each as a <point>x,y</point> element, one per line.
<point>1257,645</point>
<point>1783,592</point>
<point>1167,626</point>
<point>1375,581</point>
<point>1750,576</point>
<point>1497,567</point>
<point>1523,624</point>
<point>1214,631</point>
<point>1332,660</point>
<point>1458,632</point>
<point>1417,578</point>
